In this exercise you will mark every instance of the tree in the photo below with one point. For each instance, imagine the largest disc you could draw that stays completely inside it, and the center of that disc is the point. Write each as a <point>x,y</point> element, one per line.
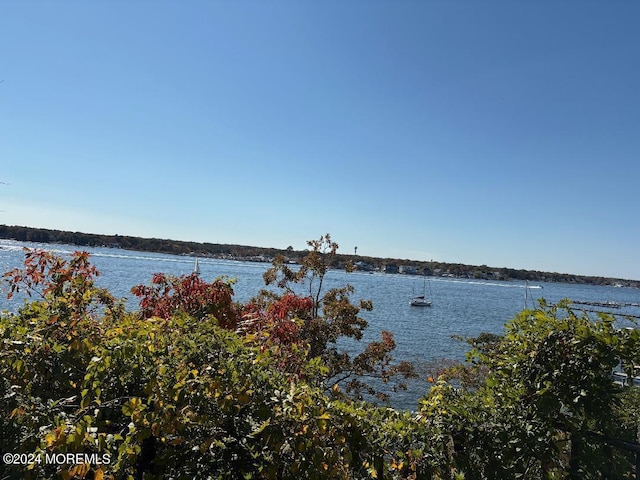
<point>195,385</point>
<point>329,316</point>
<point>546,388</point>
<point>168,295</point>
<point>172,393</point>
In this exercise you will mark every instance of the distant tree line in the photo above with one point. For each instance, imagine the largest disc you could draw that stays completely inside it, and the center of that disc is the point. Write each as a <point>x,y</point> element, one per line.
<point>177,247</point>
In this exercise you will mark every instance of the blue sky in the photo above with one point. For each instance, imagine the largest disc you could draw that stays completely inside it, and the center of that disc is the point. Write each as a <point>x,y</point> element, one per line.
<point>499,133</point>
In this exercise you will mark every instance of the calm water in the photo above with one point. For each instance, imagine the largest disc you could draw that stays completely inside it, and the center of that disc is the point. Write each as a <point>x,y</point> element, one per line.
<point>460,307</point>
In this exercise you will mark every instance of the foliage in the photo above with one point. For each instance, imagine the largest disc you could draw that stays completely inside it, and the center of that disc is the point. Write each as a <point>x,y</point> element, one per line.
<point>197,386</point>
<point>328,317</point>
<point>168,295</point>
<point>171,391</point>
<point>66,290</point>
<point>547,388</point>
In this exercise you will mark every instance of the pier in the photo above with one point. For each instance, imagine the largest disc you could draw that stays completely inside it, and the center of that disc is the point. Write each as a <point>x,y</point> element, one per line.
<point>606,304</point>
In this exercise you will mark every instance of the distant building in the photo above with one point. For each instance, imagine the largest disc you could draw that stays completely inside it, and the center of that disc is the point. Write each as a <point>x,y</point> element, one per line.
<point>364,266</point>
<point>408,269</point>
<point>390,268</point>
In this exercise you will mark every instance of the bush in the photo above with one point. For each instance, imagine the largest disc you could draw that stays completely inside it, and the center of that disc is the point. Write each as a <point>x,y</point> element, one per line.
<point>197,386</point>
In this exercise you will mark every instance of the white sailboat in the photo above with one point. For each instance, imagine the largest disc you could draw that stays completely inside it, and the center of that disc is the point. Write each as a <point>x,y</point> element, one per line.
<point>196,267</point>
<point>421,300</point>
<point>528,296</point>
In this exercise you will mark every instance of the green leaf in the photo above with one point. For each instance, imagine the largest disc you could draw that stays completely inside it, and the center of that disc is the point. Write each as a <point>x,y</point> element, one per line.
<point>261,428</point>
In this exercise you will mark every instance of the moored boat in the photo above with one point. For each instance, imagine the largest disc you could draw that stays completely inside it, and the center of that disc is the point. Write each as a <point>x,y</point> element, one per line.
<point>196,267</point>
<point>421,300</point>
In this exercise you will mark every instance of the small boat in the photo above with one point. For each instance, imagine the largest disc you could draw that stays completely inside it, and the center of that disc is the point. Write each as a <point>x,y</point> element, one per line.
<point>421,300</point>
<point>196,267</point>
<point>528,296</point>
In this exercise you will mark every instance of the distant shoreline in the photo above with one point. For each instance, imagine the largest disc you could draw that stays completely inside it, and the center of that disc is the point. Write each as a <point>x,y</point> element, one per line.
<point>263,254</point>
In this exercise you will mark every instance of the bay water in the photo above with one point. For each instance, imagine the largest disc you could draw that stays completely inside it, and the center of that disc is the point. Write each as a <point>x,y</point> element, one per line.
<point>461,307</point>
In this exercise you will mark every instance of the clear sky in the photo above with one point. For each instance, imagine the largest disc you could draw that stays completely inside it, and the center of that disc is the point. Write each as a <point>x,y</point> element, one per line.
<point>504,133</point>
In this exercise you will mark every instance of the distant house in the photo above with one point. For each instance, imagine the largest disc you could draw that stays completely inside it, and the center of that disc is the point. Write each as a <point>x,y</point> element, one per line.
<point>408,269</point>
<point>364,266</point>
<point>390,268</point>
